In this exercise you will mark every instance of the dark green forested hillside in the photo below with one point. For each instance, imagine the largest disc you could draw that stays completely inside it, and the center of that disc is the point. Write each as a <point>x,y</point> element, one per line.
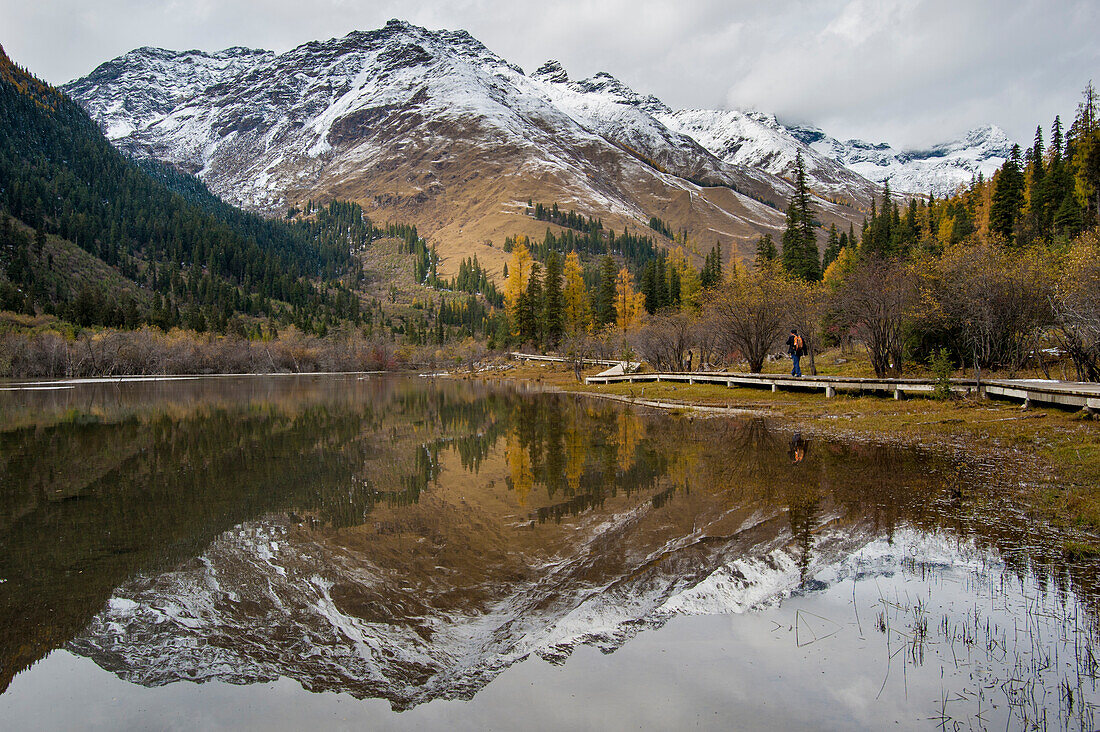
<point>198,260</point>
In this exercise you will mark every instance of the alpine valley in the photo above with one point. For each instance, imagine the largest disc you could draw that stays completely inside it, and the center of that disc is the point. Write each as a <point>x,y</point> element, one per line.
<point>434,129</point>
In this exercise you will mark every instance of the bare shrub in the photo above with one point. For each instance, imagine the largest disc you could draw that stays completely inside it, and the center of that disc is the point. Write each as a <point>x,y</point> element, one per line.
<point>664,340</point>
<point>877,299</point>
<point>151,351</point>
<point>995,300</point>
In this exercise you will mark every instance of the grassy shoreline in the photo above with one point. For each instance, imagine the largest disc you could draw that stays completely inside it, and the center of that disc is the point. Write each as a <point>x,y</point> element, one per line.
<point>1054,454</point>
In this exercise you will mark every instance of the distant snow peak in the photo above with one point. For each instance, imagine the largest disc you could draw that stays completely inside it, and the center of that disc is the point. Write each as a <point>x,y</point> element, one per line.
<point>940,169</point>
<point>552,71</point>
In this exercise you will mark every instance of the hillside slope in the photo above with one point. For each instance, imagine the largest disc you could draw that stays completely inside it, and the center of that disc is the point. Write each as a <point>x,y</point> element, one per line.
<point>184,252</point>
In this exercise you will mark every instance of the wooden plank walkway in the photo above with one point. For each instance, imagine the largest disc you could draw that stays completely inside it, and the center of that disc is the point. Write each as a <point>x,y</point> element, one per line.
<point>1061,393</point>
<point>558,359</point>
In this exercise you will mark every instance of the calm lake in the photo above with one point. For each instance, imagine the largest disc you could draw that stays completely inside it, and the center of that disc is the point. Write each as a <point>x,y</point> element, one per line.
<point>350,552</point>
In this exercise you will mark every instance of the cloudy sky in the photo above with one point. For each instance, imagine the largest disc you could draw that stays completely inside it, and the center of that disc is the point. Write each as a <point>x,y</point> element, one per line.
<point>911,72</point>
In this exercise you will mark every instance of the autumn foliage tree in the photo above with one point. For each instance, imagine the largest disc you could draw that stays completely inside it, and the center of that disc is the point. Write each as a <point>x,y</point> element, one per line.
<point>629,303</point>
<point>1076,305</point>
<point>519,273</point>
<point>578,310</point>
<point>750,313</point>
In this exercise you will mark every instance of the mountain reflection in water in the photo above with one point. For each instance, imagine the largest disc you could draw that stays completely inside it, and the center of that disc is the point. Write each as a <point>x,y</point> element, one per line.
<point>409,539</point>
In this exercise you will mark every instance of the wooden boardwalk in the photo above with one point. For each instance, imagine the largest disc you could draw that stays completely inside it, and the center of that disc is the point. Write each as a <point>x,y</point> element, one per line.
<point>1060,393</point>
<point>558,359</point>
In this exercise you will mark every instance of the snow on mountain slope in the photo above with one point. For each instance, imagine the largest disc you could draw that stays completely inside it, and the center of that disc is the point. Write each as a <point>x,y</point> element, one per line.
<point>116,91</point>
<point>606,106</point>
<point>433,128</point>
<point>423,126</point>
<point>757,140</point>
<point>940,169</point>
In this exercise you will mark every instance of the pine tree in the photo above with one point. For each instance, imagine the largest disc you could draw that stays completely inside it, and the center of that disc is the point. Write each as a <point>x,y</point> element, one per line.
<point>605,295</point>
<point>800,256</point>
<point>553,311</point>
<point>1067,219</point>
<point>765,251</point>
<point>1008,197</point>
<point>791,258</point>
<point>1056,140</point>
<point>711,275</point>
<point>649,286</point>
<point>832,247</point>
<point>660,283</point>
<point>528,309</point>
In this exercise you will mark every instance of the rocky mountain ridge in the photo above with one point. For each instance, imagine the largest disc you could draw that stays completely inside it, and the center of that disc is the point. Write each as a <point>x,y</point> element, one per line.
<point>428,127</point>
<point>434,128</point>
<point>939,169</point>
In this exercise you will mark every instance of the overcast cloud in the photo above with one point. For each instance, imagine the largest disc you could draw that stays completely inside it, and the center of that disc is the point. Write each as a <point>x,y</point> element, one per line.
<point>910,72</point>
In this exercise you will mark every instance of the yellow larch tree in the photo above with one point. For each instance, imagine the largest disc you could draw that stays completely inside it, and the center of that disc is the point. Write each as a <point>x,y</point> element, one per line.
<point>519,273</point>
<point>578,311</point>
<point>839,268</point>
<point>629,305</point>
<point>575,453</point>
<point>631,432</point>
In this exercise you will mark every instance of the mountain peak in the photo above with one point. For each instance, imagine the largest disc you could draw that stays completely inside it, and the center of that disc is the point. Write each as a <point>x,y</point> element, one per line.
<point>604,83</point>
<point>551,71</point>
<point>265,130</point>
<point>939,169</point>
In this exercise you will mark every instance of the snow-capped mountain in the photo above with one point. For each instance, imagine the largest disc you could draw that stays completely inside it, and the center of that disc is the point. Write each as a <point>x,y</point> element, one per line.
<point>940,169</point>
<point>757,140</point>
<point>423,126</point>
<point>177,77</point>
<point>433,128</point>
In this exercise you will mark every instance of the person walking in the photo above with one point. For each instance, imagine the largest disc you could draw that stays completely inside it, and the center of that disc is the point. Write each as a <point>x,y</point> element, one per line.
<point>797,348</point>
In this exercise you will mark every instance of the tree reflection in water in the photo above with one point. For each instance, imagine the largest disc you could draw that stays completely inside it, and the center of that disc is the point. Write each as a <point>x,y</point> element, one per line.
<point>452,528</point>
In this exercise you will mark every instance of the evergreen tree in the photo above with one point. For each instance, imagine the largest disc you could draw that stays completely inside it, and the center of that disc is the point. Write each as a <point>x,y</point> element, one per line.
<point>1056,140</point>
<point>711,275</point>
<point>553,311</point>
<point>1068,220</point>
<point>832,247</point>
<point>528,308</point>
<point>660,283</point>
<point>1008,197</point>
<point>800,256</point>
<point>791,258</point>
<point>765,251</point>
<point>605,293</point>
<point>674,288</point>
